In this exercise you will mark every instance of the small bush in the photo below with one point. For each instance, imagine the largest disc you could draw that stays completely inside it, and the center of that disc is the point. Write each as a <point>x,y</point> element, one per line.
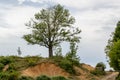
<point>31,61</point>
<point>99,69</point>
<point>67,65</point>
<point>6,60</point>
<point>25,78</point>
<point>43,77</point>
<point>102,65</point>
<point>58,78</point>
<point>97,72</point>
<point>1,66</point>
<point>13,75</point>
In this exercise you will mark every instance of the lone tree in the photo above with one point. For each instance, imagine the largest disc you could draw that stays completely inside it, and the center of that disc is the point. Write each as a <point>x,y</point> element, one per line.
<point>52,26</point>
<point>113,48</point>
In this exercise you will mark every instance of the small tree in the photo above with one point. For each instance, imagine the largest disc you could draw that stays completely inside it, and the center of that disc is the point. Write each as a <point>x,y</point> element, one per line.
<point>72,55</point>
<point>52,26</point>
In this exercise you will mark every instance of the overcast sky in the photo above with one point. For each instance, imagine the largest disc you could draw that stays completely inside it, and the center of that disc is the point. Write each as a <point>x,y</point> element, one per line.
<point>96,18</point>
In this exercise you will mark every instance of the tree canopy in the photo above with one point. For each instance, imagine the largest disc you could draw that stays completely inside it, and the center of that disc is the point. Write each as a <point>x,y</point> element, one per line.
<point>113,48</point>
<point>52,26</point>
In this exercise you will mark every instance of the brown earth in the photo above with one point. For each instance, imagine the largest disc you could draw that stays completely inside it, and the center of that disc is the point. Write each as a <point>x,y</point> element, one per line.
<point>48,69</point>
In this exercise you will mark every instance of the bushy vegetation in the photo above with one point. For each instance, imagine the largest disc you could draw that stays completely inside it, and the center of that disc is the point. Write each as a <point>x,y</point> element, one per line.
<point>101,65</point>
<point>113,49</point>
<point>6,59</point>
<point>11,75</point>
<point>25,78</point>
<point>72,54</point>
<point>97,72</point>
<point>67,65</point>
<point>43,77</point>
<point>99,69</point>
<point>59,78</point>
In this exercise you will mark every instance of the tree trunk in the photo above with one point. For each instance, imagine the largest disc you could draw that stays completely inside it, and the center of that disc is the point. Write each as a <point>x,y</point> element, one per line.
<point>50,51</point>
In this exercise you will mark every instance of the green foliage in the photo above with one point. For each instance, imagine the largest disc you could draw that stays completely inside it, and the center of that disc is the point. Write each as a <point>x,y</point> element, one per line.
<point>32,61</point>
<point>1,66</point>
<point>25,78</point>
<point>43,77</point>
<point>67,65</point>
<point>12,75</point>
<point>51,27</point>
<point>98,72</point>
<point>71,56</point>
<point>116,35</point>
<point>99,69</point>
<point>102,65</point>
<point>59,78</point>
<point>114,55</point>
<point>113,48</point>
<point>6,60</point>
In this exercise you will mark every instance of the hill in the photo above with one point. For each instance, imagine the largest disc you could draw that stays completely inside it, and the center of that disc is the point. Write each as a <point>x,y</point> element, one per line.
<point>14,67</point>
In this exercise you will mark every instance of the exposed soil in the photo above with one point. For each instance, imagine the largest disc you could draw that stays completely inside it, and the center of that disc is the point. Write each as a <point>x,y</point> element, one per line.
<point>48,69</point>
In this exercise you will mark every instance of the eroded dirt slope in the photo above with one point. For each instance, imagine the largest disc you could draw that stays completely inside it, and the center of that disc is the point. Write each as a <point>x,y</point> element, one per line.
<point>48,69</point>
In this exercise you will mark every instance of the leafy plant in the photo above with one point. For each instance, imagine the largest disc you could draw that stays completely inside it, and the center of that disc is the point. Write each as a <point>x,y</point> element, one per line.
<point>59,78</point>
<point>67,65</point>
<point>6,60</point>
<point>1,66</point>
<point>43,77</point>
<point>98,72</point>
<point>72,55</point>
<point>12,75</point>
<point>25,78</point>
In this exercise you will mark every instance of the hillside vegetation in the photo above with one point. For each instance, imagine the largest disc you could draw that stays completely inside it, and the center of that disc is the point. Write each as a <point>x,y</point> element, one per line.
<point>34,67</point>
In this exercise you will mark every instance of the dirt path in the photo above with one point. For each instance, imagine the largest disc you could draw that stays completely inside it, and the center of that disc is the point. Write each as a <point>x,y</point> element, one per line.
<point>111,76</point>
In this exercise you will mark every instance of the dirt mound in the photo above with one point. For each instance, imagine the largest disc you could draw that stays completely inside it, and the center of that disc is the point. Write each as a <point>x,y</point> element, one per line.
<point>48,69</point>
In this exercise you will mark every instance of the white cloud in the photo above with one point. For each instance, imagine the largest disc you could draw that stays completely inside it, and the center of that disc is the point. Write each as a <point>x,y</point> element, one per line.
<point>81,4</point>
<point>15,19</point>
<point>21,1</point>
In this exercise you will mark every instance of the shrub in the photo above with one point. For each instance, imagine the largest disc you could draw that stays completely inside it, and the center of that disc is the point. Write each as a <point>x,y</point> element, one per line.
<point>101,65</point>
<point>25,78</point>
<point>1,66</point>
<point>6,60</point>
<point>13,75</point>
<point>98,72</point>
<point>31,61</point>
<point>43,77</point>
<point>67,65</point>
<point>59,78</point>
<point>99,69</point>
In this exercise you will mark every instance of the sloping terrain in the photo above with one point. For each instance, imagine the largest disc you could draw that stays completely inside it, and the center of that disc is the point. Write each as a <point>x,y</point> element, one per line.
<point>35,66</point>
<point>48,69</point>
